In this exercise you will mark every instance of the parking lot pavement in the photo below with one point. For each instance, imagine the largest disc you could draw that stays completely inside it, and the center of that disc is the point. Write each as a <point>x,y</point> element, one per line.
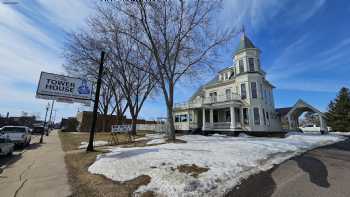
<point>37,170</point>
<point>322,172</point>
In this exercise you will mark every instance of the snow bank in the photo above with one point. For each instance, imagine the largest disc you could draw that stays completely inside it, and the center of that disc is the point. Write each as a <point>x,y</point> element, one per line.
<point>156,141</point>
<point>229,159</point>
<point>341,133</point>
<point>96,144</point>
<point>151,137</point>
<point>218,135</point>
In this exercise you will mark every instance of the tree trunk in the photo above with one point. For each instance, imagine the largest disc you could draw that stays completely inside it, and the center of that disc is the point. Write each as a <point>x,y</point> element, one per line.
<point>170,102</point>
<point>171,134</point>
<point>104,120</point>
<point>133,125</point>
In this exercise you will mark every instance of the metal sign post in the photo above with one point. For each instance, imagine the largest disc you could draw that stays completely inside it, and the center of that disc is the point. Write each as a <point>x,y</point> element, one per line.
<point>90,146</point>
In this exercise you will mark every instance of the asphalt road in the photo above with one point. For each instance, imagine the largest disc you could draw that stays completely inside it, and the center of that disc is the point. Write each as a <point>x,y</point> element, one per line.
<point>323,172</point>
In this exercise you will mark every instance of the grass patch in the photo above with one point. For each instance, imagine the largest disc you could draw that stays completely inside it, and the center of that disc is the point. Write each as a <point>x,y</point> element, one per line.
<point>86,184</point>
<point>71,140</point>
<point>192,170</point>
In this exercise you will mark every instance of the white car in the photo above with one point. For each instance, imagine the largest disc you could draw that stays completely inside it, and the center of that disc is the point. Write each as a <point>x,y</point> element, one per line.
<point>20,135</point>
<point>312,128</point>
<point>6,147</point>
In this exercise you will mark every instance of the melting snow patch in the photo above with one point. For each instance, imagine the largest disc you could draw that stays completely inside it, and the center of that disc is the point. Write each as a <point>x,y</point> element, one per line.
<point>156,141</point>
<point>229,160</point>
<point>341,133</point>
<point>96,144</point>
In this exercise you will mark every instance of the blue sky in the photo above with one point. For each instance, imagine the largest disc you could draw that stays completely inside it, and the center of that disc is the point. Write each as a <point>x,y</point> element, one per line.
<point>305,49</point>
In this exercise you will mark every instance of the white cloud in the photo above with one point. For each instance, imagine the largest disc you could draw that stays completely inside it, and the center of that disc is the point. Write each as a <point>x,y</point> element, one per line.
<point>259,13</point>
<point>67,14</point>
<point>28,47</point>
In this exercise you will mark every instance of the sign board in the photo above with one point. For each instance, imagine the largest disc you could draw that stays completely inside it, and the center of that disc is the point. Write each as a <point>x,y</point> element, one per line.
<point>121,128</point>
<point>64,89</point>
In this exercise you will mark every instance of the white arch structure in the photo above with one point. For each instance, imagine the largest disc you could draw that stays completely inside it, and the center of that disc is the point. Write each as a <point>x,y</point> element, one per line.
<point>300,107</point>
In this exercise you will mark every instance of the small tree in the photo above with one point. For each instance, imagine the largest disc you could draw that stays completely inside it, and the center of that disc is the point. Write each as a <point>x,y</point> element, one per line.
<point>338,115</point>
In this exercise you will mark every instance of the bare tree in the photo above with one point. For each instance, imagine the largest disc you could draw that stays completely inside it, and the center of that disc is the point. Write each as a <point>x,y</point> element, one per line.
<point>120,74</point>
<point>82,56</point>
<point>180,36</point>
<point>124,60</point>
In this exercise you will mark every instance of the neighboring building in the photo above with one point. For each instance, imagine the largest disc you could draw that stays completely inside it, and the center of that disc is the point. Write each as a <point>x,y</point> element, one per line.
<point>239,98</point>
<point>103,122</point>
<point>18,121</point>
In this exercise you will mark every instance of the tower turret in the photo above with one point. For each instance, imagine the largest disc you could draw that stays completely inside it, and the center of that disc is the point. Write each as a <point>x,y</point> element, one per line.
<point>247,56</point>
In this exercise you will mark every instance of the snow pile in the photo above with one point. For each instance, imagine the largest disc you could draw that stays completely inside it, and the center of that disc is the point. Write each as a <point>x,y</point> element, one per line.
<point>156,141</point>
<point>218,135</point>
<point>151,137</point>
<point>341,133</point>
<point>96,144</point>
<point>229,159</point>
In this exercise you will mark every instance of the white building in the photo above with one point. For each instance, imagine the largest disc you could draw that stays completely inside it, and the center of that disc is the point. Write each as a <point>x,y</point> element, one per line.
<point>239,98</point>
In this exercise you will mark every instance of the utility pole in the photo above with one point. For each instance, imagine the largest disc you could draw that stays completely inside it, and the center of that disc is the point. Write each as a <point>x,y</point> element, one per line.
<point>90,146</point>
<point>54,116</point>
<point>52,103</point>
<point>42,133</point>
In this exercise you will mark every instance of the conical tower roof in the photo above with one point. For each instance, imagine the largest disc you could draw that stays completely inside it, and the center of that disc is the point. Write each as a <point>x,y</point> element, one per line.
<point>245,43</point>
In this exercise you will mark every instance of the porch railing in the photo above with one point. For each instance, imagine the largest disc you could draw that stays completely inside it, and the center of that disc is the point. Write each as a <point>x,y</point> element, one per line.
<point>208,100</point>
<point>221,98</point>
<point>218,125</point>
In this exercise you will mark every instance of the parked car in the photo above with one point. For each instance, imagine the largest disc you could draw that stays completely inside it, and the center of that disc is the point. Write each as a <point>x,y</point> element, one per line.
<point>6,146</point>
<point>20,135</point>
<point>38,130</point>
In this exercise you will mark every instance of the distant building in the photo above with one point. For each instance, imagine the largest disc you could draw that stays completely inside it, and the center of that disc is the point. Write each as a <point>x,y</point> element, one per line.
<point>103,122</point>
<point>18,121</point>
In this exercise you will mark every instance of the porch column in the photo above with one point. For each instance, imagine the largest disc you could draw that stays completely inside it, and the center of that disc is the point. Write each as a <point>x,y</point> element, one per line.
<point>241,114</point>
<point>203,119</point>
<point>232,115</point>
<point>323,125</point>
<point>289,122</point>
<point>211,118</point>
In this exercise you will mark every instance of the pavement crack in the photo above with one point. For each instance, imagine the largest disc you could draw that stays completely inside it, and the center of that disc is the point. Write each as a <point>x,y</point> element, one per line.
<point>25,170</point>
<point>20,187</point>
<point>20,178</point>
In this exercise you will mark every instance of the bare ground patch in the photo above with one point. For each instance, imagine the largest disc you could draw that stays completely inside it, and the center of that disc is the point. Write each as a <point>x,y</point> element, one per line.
<point>176,141</point>
<point>86,184</point>
<point>71,141</point>
<point>192,170</point>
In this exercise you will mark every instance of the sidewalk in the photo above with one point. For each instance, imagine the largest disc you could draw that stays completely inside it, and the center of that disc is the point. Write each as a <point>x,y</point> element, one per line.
<point>40,171</point>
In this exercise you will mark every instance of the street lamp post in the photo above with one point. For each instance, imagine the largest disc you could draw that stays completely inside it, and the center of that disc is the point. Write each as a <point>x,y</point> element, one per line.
<point>42,133</point>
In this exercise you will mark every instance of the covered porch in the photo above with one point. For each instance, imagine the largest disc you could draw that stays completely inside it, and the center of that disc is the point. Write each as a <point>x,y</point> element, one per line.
<point>224,118</point>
